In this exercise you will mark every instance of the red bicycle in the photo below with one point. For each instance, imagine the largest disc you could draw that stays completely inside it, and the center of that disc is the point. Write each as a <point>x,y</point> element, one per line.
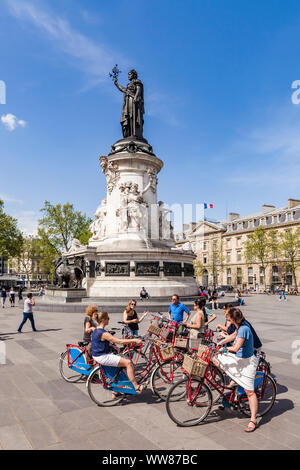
<point>189,401</point>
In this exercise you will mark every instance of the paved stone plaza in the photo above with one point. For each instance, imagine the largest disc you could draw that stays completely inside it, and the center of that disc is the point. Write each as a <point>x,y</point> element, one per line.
<point>39,410</point>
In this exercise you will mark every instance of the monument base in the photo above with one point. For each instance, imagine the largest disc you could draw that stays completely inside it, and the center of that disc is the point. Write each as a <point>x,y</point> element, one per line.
<point>61,295</point>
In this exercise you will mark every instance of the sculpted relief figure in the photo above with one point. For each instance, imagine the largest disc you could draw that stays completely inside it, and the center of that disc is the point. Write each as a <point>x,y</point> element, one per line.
<point>111,171</point>
<point>75,246</point>
<point>133,106</point>
<point>165,226</point>
<point>132,211</point>
<point>98,227</point>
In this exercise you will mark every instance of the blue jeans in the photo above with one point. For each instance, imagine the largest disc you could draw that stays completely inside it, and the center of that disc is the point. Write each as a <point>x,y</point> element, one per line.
<point>27,316</point>
<point>283,294</point>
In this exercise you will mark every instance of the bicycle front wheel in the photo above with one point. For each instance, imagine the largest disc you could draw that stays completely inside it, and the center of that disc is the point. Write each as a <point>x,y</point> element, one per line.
<point>98,392</point>
<point>66,372</point>
<point>189,402</point>
<point>164,376</point>
<point>266,395</point>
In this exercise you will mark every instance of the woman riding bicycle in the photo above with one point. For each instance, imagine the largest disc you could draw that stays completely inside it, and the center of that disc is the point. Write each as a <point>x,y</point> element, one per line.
<point>101,349</point>
<point>240,363</point>
<point>130,317</point>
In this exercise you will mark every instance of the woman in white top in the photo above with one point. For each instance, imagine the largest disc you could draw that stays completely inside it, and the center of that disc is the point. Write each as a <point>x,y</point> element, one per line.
<point>197,325</point>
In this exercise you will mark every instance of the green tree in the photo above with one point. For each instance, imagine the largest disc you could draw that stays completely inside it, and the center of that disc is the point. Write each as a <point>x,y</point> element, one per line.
<point>260,248</point>
<point>289,246</point>
<point>27,257</point>
<point>63,223</point>
<point>58,226</point>
<point>11,239</point>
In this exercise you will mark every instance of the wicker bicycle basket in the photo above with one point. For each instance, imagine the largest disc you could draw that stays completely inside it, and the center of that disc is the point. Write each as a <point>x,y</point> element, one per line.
<point>194,343</point>
<point>194,366</point>
<point>202,348</point>
<point>154,329</point>
<point>181,343</point>
<point>167,352</point>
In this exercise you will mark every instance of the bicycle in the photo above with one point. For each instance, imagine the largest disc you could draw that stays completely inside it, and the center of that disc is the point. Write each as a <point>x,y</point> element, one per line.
<point>75,364</point>
<point>104,380</point>
<point>189,401</point>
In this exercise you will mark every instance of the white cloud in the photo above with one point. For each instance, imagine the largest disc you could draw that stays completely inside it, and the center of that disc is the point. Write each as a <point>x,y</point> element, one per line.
<point>94,59</point>
<point>27,221</point>
<point>9,199</point>
<point>11,122</point>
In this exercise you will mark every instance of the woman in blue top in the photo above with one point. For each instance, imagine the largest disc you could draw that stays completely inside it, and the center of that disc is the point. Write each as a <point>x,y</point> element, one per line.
<point>101,349</point>
<point>240,363</point>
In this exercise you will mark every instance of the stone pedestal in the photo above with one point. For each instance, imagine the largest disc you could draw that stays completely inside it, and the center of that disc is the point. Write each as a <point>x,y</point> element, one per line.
<point>132,245</point>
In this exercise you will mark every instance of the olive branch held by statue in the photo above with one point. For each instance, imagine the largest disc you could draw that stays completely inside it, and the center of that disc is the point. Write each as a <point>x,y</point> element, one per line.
<point>115,73</point>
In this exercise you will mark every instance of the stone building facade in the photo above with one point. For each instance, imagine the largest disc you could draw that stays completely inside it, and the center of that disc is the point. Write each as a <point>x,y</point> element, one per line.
<point>220,251</point>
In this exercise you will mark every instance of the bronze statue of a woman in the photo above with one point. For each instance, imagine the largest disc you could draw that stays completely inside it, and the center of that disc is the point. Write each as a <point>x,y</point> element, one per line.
<point>133,106</point>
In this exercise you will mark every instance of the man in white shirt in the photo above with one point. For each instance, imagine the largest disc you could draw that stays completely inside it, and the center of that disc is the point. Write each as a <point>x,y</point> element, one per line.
<point>27,313</point>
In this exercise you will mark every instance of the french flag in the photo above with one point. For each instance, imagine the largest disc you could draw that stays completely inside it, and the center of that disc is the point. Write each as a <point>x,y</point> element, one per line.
<point>208,205</point>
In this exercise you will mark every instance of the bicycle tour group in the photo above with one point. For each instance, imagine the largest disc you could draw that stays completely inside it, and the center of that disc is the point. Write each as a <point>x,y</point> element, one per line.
<point>189,365</point>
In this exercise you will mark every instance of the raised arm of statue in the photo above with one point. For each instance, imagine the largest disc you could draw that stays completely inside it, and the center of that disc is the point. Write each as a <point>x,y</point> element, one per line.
<point>120,87</point>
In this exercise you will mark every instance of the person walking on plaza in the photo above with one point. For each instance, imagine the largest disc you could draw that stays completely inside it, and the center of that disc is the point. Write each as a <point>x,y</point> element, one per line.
<point>20,296</point>
<point>27,313</point>
<point>12,296</point>
<point>177,310</point>
<point>282,294</point>
<point>3,296</point>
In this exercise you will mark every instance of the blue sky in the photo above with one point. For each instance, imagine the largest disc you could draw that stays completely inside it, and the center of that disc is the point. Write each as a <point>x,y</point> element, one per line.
<point>217,77</point>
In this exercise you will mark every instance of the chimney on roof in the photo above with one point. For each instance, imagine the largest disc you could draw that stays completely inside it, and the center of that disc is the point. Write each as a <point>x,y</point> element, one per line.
<point>267,208</point>
<point>233,216</point>
<point>293,202</point>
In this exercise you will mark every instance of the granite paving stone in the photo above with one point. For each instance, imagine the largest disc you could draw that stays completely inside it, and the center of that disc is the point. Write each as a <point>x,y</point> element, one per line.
<point>39,410</point>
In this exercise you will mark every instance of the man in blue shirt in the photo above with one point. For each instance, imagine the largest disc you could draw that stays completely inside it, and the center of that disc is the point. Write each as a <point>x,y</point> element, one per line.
<point>177,309</point>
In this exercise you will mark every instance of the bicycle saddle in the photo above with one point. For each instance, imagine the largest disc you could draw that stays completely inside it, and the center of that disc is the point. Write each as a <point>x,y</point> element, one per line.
<point>82,344</point>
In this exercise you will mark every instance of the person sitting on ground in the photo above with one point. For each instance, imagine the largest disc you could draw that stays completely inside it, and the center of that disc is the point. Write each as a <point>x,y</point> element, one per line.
<point>89,325</point>
<point>101,349</point>
<point>240,362</point>
<point>144,294</point>
<point>196,326</point>
<point>130,317</point>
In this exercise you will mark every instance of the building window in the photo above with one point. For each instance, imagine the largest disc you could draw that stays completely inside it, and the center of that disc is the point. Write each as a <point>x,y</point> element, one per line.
<point>238,242</point>
<point>229,257</point>
<point>289,276</point>
<point>229,277</point>
<point>275,276</point>
<point>239,256</point>
<point>275,219</point>
<point>228,242</point>
<point>204,246</point>
<point>204,259</point>
<point>239,278</point>
<point>250,275</point>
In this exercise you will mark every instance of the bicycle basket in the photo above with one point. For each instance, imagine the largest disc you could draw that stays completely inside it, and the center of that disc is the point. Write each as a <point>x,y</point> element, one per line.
<point>194,343</point>
<point>166,352</point>
<point>194,366</point>
<point>154,329</point>
<point>181,343</point>
<point>202,348</point>
<point>166,333</point>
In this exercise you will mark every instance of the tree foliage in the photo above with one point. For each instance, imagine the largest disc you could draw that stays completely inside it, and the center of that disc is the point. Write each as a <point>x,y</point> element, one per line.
<point>11,239</point>
<point>289,246</point>
<point>58,226</point>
